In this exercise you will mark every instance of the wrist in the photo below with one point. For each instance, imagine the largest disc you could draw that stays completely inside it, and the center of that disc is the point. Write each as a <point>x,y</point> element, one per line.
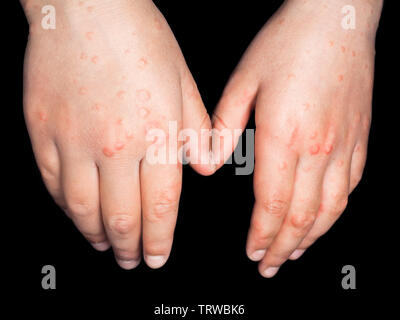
<point>330,14</point>
<point>73,12</point>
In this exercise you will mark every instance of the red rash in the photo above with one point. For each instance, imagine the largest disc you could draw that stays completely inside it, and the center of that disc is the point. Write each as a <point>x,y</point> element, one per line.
<point>314,149</point>
<point>43,116</point>
<point>143,113</point>
<point>120,94</point>
<point>119,146</point>
<point>95,59</point>
<point>143,95</point>
<point>108,152</point>
<point>283,165</point>
<point>82,91</point>
<point>142,62</point>
<point>328,148</point>
<point>314,135</point>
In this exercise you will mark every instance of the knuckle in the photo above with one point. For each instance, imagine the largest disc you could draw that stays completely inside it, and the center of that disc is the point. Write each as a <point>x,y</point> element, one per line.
<point>166,203</point>
<point>276,207</point>
<point>48,173</point>
<point>303,221</point>
<point>79,207</point>
<point>260,233</point>
<point>337,208</point>
<point>122,224</point>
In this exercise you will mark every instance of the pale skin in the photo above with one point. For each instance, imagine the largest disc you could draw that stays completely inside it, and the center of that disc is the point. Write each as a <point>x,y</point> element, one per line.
<point>310,83</point>
<point>112,69</point>
<point>94,86</point>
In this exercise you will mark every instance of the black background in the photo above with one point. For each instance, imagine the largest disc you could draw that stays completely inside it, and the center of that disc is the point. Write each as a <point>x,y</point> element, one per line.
<point>208,264</point>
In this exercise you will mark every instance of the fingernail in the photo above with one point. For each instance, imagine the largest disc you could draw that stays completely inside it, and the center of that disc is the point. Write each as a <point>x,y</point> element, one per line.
<point>128,264</point>
<point>101,246</point>
<point>155,262</point>
<point>257,255</point>
<point>270,272</point>
<point>296,254</point>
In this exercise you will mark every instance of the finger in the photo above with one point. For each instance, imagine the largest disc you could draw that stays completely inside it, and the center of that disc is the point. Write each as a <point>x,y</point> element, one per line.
<point>196,118</point>
<point>273,186</point>
<point>46,155</point>
<point>80,185</point>
<point>334,199</point>
<point>357,164</point>
<point>161,188</point>
<point>232,113</point>
<point>302,213</point>
<point>120,206</point>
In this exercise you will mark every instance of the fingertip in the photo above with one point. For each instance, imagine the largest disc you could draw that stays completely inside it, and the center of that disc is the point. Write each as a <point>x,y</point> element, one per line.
<point>101,246</point>
<point>257,255</point>
<point>155,262</point>
<point>269,272</point>
<point>128,264</point>
<point>297,254</point>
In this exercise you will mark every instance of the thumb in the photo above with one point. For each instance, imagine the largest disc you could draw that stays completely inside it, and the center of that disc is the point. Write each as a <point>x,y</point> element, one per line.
<point>197,127</point>
<point>232,114</point>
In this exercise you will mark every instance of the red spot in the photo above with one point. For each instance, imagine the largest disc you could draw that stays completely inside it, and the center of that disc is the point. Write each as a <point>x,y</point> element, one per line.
<point>96,107</point>
<point>90,8</point>
<point>119,121</point>
<point>95,59</point>
<point>82,91</point>
<point>353,53</point>
<point>328,148</point>
<point>143,112</point>
<point>142,63</point>
<point>43,116</point>
<point>143,95</point>
<point>120,94</point>
<point>129,134</point>
<point>357,148</point>
<point>340,163</point>
<point>331,43</point>
<point>119,146</point>
<point>108,152</point>
<point>291,76</point>
<point>314,149</point>
<point>127,51</point>
<point>340,77</point>
<point>281,21</point>
<point>343,49</point>
<point>157,24</point>
<point>83,56</point>
<point>314,135</point>
<point>283,165</point>
<point>89,35</point>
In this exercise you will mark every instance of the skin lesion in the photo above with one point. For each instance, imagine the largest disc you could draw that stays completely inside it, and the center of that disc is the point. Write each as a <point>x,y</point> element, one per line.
<point>121,94</point>
<point>314,149</point>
